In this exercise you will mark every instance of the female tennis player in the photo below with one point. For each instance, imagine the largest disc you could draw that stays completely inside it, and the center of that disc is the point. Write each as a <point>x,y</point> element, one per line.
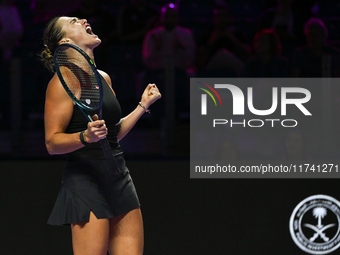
<point>104,212</point>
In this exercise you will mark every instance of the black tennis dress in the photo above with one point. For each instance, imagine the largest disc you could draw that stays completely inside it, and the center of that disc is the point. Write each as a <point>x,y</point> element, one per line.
<point>89,184</point>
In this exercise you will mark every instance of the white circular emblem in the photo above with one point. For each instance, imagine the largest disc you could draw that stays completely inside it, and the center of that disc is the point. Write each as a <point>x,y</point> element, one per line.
<point>315,224</point>
<point>88,101</point>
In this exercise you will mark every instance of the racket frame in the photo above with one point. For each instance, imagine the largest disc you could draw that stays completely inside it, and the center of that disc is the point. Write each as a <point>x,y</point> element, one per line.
<point>84,108</point>
<point>103,142</point>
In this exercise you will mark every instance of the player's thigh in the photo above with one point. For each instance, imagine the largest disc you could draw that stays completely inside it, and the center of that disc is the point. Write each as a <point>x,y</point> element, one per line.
<point>90,238</point>
<point>126,234</point>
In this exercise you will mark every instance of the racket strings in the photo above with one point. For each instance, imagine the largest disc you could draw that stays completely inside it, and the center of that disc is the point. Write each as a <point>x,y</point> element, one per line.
<point>79,77</point>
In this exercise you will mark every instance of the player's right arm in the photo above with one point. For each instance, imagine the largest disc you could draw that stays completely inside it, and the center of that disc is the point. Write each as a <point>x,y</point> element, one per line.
<point>58,113</point>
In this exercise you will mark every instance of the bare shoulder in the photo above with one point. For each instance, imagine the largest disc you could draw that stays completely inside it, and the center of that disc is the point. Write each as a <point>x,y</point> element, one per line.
<point>56,90</point>
<point>56,95</point>
<point>107,79</point>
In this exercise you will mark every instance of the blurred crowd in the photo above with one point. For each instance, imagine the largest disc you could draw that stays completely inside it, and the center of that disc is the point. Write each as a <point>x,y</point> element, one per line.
<point>196,38</point>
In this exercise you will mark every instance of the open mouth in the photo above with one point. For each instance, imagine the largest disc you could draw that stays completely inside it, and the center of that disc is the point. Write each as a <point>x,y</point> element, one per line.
<point>89,30</point>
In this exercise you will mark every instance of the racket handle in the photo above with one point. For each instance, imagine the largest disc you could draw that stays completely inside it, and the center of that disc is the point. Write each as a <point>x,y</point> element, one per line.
<point>104,143</point>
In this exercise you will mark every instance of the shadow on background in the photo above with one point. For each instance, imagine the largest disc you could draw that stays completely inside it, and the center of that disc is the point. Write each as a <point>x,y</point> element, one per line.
<point>181,215</point>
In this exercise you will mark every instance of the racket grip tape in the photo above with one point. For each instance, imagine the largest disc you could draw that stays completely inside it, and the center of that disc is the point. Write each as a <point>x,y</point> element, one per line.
<point>104,143</point>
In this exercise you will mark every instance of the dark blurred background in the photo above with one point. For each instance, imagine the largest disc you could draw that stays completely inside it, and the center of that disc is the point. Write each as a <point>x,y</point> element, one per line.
<point>231,38</point>
<point>235,38</point>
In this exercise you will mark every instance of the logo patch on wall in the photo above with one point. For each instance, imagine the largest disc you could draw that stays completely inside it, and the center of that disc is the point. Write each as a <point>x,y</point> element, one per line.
<point>315,224</point>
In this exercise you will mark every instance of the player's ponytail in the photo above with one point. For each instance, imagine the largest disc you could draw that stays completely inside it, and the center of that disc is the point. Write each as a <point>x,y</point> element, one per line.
<point>52,36</point>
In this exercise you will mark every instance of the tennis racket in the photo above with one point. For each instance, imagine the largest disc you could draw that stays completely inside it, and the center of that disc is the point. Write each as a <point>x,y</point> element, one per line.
<point>81,80</point>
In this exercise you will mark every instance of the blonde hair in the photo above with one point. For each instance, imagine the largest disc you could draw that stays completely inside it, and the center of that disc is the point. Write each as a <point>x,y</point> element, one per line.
<point>52,36</point>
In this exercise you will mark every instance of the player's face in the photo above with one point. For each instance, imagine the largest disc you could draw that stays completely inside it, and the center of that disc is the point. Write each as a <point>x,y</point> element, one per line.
<point>79,32</point>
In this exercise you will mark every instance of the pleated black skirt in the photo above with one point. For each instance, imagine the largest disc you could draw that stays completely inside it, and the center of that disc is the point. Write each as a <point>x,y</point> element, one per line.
<point>90,185</point>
